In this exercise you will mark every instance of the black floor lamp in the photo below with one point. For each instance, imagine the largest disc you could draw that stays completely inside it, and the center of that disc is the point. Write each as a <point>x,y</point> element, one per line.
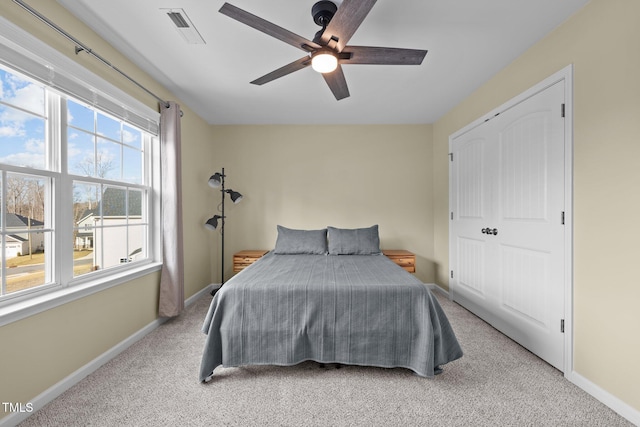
<point>217,221</point>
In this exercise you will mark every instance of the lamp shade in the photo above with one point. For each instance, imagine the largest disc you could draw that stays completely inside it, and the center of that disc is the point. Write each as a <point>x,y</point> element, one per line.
<point>215,180</point>
<point>212,223</point>
<point>235,196</point>
<point>324,62</point>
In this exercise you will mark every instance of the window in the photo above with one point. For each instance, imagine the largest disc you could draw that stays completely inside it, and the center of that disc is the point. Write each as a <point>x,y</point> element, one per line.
<point>76,189</point>
<point>108,219</point>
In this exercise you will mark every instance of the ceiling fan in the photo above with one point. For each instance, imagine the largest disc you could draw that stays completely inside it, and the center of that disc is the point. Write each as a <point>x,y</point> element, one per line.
<point>328,50</point>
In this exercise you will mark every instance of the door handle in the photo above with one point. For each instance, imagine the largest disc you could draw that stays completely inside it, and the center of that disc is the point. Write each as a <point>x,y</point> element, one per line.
<point>490,231</point>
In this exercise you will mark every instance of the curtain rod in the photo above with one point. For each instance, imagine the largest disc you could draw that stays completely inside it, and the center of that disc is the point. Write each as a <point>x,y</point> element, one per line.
<point>80,47</point>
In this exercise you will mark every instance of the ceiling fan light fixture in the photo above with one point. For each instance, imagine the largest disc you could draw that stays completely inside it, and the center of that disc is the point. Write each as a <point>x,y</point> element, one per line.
<point>329,50</point>
<point>324,62</point>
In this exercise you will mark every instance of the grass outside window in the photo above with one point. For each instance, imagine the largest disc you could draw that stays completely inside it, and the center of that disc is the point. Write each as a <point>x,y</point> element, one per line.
<point>21,281</point>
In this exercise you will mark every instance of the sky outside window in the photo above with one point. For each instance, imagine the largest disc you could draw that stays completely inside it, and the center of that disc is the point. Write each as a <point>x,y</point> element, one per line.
<point>22,122</point>
<point>100,146</point>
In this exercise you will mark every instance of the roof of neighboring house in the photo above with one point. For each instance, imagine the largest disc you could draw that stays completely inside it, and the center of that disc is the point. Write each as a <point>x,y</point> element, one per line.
<point>87,214</point>
<point>19,221</point>
<point>15,237</point>
<point>113,203</point>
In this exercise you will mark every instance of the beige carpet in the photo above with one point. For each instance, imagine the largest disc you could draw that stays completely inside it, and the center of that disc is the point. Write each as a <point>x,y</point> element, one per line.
<point>154,383</point>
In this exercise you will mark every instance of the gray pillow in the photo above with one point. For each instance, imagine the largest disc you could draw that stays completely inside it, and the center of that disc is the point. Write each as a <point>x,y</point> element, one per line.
<point>291,242</point>
<point>358,241</point>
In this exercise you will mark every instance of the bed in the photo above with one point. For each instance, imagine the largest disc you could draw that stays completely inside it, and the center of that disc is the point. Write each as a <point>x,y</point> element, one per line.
<point>329,296</point>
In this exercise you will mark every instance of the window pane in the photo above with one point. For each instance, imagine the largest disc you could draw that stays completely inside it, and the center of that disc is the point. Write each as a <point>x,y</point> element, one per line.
<point>22,138</point>
<point>27,270</point>
<point>86,211</point>
<point>132,166</point>
<point>86,199</point>
<point>132,137</point>
<point>97,247</point>
<point>21,93</point>
<point>80,116</point>
<point>115,246</point>
<point>25,202</point>
<point>114,205</point>
<point>135,206</point>
<point>136,248</point>
<point>109,160</point>
<point>81,153</point>
<point>22,122</point>
<point>83,254</point>
<point>26,241</point>
<point>108,127</point>
<point>111,241</point>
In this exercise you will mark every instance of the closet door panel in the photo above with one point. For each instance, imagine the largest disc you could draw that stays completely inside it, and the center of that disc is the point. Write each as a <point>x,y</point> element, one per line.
<point>531,235</point>
<point>507,233</point>
<point>472,261</point>
<point>475,160</point>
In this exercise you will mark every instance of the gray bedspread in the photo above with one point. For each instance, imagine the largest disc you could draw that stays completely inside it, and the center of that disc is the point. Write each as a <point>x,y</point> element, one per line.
<point>351,309</point>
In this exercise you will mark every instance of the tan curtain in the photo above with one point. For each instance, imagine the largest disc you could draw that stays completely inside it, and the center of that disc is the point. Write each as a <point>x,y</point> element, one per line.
<point>172,277</point>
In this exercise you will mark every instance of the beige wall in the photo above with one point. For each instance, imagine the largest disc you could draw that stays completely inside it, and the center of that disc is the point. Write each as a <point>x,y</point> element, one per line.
<point>39,351</point>
<point>602,42</point>
<point>309,177</point>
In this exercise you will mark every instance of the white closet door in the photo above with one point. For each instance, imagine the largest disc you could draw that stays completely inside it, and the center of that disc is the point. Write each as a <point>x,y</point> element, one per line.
<point>507,231</point>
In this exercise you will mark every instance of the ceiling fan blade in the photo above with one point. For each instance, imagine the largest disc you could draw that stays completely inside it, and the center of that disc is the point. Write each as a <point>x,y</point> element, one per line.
<point>268,28</point>
<point>337,83</point>
<point>345,22</point>
<point>283,71</point>
<point>381,55</point>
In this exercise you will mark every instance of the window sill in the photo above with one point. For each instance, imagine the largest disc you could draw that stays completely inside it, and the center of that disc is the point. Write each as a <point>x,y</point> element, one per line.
<point>19,310</point>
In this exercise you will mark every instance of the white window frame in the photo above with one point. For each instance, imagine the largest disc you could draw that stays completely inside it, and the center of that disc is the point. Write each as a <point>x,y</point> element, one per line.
<point>28,55</point>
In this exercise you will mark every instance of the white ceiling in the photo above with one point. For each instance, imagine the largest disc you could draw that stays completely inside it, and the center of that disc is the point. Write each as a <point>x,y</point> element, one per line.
<point>468,42</point>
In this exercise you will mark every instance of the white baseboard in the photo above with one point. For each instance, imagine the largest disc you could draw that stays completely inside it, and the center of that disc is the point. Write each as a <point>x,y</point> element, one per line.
<point>625,410</point>
<point>66,383</point>
<point>193,298</point>
<point>434,287</point>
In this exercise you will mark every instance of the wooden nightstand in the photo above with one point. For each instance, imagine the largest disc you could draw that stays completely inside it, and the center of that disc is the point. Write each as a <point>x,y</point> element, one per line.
<point>244,259</point>
<point>404,259</point>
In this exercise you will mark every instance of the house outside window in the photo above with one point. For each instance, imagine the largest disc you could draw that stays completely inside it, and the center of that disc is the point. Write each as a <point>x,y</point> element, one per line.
<point>77,189</point>
<point>24,238</point>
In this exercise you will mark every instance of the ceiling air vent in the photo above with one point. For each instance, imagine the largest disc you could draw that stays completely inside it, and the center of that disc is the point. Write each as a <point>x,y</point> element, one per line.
<point>184,25</point>
<point>177,19</point>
